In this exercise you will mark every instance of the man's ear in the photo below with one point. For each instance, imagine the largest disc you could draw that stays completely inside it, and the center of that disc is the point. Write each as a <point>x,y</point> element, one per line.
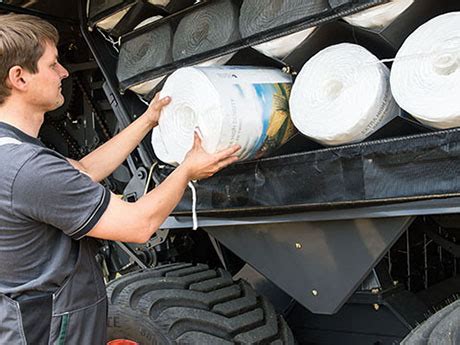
<point>17,78</point>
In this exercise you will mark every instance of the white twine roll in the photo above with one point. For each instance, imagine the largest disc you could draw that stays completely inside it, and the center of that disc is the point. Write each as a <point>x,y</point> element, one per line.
<point>145,52</point>
<point>229,105</point>
<point>205,29</point>
<point>257,16</point>
<point>380,16</point>
<point>428,88</point>
<point>342,95</point>
<point>283,46</point>
<point>145,88</point>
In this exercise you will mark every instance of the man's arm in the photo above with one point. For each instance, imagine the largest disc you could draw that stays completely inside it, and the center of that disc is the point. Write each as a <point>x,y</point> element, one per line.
<point>105,159</point>
<point>136,222</point>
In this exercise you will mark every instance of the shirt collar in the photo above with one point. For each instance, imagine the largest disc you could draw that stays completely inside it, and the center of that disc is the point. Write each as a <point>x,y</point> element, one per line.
<point>7,129</point>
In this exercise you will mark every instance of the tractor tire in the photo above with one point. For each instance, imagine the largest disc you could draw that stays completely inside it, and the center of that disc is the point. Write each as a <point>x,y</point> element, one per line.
<point>191,304</point>
<point>442,328</point>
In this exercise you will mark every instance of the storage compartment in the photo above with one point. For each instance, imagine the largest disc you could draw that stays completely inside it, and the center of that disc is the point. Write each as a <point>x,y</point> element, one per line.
<point>392,165</point>
<point>230,43</point>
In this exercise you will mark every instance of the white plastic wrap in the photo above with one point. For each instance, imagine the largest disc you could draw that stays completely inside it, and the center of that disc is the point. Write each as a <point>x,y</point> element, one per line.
<point>342,95</point>
<point>110,22</point>
<point>159,2</point>
<point>425,77</point>
<point>379,16</point>
<point>283,46</point>
<point>228,105</point>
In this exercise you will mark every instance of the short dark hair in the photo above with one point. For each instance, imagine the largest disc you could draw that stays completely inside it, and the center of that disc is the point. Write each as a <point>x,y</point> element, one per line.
<point>22,43</point>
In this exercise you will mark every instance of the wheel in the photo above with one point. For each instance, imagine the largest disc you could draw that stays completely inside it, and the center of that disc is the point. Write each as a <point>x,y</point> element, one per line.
<point>442,327</point>
<point>191,304</point>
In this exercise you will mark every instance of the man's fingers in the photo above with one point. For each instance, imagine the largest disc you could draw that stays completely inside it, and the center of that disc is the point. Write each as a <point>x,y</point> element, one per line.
<point>155,99</point>
<point>196,140</point>
<point>227,152</point>
<point>227,161</point>
<point>161,103</point>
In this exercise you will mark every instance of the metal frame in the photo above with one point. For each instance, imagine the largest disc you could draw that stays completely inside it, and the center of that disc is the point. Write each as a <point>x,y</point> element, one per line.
<point>320,264</point>
<point>22,10</point>
<point>118,103</point>
<point>403,209</point>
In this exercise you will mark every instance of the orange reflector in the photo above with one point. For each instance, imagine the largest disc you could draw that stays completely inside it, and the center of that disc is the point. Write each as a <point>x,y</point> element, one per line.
<point>122,342</point>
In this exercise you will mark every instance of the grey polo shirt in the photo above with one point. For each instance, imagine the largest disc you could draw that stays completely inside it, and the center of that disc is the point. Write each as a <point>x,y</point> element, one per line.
<point>46,206</point>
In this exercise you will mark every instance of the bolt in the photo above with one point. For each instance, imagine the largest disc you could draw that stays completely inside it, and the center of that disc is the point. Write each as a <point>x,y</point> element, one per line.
<point>376,306</point>
<point>298,245</point>
<point>141,174</point>
<point>375,291</point>
<point>314,292</point>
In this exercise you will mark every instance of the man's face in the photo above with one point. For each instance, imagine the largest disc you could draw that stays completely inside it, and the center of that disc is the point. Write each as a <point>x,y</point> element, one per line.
<point>45,85</point>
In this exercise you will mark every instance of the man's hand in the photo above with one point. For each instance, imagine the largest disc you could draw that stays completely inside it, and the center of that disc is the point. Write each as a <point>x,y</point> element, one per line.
<point>154,109</point>
<point>136,222</point>
<point>200,164</point>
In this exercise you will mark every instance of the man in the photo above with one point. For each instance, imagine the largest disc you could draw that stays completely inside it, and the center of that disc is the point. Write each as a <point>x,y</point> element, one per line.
<point>51,290</point>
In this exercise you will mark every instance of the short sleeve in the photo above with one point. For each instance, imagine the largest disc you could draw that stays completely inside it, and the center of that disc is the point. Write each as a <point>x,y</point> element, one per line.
<point>50,190</point>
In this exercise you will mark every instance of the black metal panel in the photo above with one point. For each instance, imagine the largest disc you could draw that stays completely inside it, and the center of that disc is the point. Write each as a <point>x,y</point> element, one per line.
<point>55,11</point>
<point>378,322</point>
<point>395,33</point>
<point>126,107</point>
<point>320,264</point>
<point>423,166</point>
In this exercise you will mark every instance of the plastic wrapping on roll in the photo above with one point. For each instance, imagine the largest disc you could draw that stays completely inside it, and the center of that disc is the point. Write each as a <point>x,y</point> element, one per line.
<point>97,7</point>
<point>228,105</point>
<point>261,15</point>
<point>162,3</point>
<point>145,52</point>
<point>338,3</point>
<point>172,6</point>
<point>425,77</point>
<point>342,95</point>
<point>379,16</point>
<point>147,86</point>
<point>110,22</point>
<point>209,27</point>
<point>283,46</point>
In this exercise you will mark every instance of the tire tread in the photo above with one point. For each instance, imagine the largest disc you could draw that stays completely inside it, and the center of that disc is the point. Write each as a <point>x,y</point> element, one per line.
<point>192,304</point>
